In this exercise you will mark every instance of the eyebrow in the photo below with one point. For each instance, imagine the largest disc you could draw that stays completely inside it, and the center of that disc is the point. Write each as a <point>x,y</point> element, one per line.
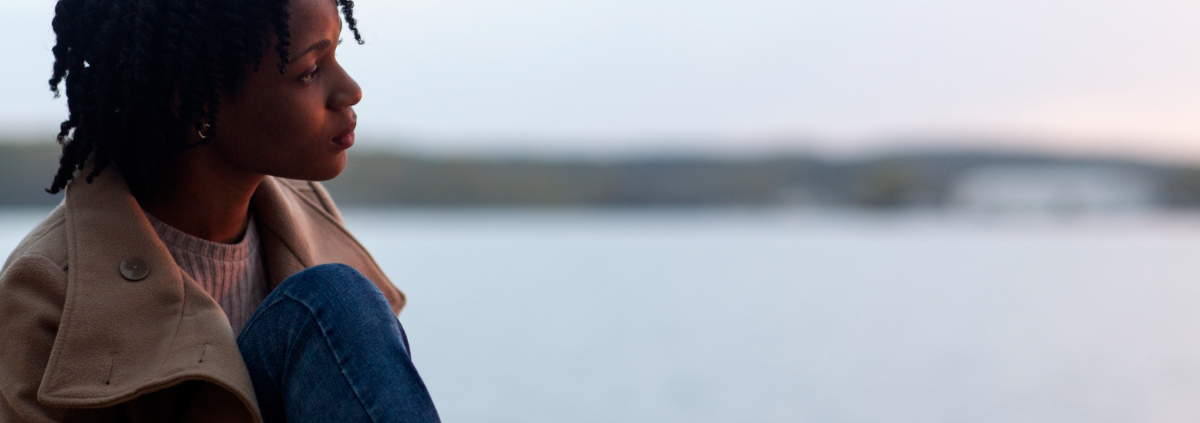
<point>319,45</point>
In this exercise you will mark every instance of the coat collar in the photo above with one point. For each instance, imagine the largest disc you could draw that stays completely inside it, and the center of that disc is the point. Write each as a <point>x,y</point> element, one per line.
<point>118,338</point>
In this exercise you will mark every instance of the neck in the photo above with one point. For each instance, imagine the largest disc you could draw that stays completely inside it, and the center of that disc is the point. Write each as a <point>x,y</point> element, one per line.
<point>202,197</point>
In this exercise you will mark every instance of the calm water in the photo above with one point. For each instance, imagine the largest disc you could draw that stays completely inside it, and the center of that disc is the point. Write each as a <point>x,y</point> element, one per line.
<point>777,316</point>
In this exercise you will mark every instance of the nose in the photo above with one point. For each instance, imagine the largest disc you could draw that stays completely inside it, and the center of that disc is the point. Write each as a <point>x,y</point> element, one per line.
<point>345,93</point>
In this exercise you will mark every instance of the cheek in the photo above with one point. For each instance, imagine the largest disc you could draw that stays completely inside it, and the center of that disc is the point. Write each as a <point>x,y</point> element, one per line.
<point>284,113</point>
<point>285,123</point>
<point>280,134</point>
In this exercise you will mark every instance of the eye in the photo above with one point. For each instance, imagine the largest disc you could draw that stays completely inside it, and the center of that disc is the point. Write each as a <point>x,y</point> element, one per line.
<point>310,75</point>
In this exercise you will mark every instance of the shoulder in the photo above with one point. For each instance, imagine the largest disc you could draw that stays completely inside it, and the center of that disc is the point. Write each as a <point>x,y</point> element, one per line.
<point>35,272</point>
<point>33,281</point>
<point>34,278</point>
<point>47,240</point>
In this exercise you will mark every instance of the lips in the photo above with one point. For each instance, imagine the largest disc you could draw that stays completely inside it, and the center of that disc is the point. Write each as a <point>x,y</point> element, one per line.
<point>346,138</point>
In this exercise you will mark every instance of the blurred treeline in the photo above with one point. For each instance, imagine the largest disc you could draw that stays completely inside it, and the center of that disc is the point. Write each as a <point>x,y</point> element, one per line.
<point>896,180</point>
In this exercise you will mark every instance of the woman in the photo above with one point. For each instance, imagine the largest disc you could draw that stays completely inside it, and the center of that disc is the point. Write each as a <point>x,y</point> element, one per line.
<point>193,271</point>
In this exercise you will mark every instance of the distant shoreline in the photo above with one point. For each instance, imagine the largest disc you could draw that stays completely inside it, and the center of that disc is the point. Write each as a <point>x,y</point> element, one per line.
<point>919,179</point>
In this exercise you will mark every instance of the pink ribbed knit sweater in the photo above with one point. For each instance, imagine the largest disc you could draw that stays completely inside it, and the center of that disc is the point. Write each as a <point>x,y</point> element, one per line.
<point>233,274</point>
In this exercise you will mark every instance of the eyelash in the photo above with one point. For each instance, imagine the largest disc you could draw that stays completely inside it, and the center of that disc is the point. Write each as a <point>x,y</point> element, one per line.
<point>311,75</point>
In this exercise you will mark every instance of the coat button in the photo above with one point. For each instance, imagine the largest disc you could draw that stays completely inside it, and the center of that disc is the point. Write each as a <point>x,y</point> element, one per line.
<point>134,269</point>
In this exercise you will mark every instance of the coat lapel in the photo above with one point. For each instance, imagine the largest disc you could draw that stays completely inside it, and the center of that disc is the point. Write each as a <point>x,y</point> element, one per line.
<point>300,232</point>
<point>121,338</point>
<point>281,234</point>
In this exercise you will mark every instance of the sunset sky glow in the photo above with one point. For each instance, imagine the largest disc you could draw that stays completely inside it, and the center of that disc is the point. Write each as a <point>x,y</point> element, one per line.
<point>1109,77</point>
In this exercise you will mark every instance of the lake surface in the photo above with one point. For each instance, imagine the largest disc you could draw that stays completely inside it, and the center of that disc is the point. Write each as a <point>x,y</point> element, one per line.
<point>791,316</point>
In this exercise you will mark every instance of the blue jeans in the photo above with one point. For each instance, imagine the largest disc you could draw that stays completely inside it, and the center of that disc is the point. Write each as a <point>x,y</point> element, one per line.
<point>324,346</point>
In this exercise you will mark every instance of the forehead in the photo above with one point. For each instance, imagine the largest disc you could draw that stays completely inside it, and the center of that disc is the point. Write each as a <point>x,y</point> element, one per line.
<point>313,20</point>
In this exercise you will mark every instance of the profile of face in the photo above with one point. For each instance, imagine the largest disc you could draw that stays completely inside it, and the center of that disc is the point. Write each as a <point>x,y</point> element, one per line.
<point>299,124</point>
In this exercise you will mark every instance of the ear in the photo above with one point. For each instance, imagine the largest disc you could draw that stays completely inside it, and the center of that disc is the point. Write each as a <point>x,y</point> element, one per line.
<point>198,132</point>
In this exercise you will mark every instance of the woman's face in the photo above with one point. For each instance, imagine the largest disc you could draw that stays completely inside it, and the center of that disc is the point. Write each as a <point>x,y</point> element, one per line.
<point>297,125</point>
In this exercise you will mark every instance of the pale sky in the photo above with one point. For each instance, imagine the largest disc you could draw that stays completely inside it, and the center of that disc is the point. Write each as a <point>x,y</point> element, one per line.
<point>602,76</point>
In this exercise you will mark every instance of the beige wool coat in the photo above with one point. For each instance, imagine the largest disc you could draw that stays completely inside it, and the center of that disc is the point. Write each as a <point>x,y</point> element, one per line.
<point>81,341</point>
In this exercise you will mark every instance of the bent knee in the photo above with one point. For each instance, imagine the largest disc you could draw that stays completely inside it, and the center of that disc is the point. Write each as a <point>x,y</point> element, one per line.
<point>328,272</point>
<point>333,281</point>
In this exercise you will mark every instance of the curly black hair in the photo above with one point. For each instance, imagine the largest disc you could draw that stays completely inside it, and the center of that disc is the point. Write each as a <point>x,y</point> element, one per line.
<point>140,74</point>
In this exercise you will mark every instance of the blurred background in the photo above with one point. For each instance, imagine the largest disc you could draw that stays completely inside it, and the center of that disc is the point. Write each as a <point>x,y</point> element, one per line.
<point>761,210</point>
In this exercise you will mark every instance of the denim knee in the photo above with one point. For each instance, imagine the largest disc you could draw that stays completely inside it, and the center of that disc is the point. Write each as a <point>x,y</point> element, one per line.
<point>327,332</point>
<point>337,295</point>
<point>320,325</point>
<point>336,286</point>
